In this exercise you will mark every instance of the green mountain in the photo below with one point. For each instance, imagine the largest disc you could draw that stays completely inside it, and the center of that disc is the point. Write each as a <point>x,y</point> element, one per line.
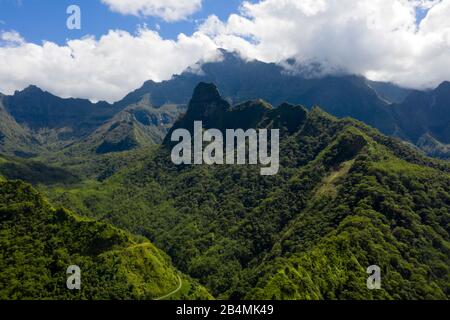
<point>35,123</point>
<point>346,197</point>
<point>43,123</point>
<point>208,106</point>
<point>144,115</point>
<point>395,111</point>
<point>39,243</point>
<point>138,125</point>
<point>14,138</point>
<point>426,113</point>
<point>38,110</point>
<point>389,92</point>
<point>35,172</point>
<point>351,97</point>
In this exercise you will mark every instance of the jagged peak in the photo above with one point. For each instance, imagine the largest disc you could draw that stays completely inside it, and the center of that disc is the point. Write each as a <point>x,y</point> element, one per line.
<point>30,89</point>
<point>207,103</point>
<point>206,92</point>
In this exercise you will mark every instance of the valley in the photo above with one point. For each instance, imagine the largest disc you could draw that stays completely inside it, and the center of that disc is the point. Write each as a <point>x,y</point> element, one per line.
<point>97,187</point>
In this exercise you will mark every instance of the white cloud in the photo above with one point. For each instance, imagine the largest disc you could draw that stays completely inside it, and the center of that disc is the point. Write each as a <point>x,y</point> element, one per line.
<point>104,69</point>
<point>169,10</point>
<point>11,37</point>
<point>376,38</point>
<point>425,4</point>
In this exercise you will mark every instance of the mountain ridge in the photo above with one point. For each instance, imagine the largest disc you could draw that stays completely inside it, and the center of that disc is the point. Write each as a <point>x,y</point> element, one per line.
<point>57,123</point>
<point>382,105</point>
<point>343,193</point>
<point>113,264</point>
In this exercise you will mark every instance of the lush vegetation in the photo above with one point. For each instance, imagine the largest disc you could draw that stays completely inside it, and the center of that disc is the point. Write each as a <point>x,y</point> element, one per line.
<point>346,198</point>
<point>38,243</point>
<point>35,172</point>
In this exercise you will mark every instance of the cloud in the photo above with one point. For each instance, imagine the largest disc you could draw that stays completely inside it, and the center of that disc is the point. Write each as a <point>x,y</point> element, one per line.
<point>425,4</point>
<point>103,69</point>
<point>11,37</point>
<point>380,39</point>
<point>168,10</point>
<point>376,38</point>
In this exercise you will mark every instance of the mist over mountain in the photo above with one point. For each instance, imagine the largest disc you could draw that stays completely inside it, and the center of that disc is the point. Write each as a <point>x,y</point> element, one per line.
<point>241,80</point>
<point>391,109</point>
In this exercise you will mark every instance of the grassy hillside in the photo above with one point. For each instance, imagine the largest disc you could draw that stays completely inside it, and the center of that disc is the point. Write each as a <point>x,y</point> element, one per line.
<point>39,242</point>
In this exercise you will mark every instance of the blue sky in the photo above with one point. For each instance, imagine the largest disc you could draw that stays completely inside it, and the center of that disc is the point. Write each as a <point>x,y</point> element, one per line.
<point>382,42</point>
<point>38,20</point>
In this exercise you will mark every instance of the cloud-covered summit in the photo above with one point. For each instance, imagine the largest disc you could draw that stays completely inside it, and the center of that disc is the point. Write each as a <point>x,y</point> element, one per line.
<point>380,39</point>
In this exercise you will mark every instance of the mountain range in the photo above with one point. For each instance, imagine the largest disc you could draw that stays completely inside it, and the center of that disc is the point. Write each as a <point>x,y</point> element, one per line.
<point>144,116</point>
<point>346,197</point>
<point>40,242</point>
<point>98,189</point>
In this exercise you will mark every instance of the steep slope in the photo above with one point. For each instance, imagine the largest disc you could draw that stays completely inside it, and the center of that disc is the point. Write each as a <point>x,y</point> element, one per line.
<point>38,244</point>
<point>54,120</point>
<point>374,209</point>
<point>351,97</point>
<point>384,106</point>
<point>433,147</point>
<point>389,92</point>
<point>208,106</point>
<point>138,125</point>
<point>14,139</point>
<point>242,80</point>
<point>426,113</point>
<point>346,197</point>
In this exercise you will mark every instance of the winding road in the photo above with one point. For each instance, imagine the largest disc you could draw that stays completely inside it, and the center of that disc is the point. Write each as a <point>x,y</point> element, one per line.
<point>173,292</point>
